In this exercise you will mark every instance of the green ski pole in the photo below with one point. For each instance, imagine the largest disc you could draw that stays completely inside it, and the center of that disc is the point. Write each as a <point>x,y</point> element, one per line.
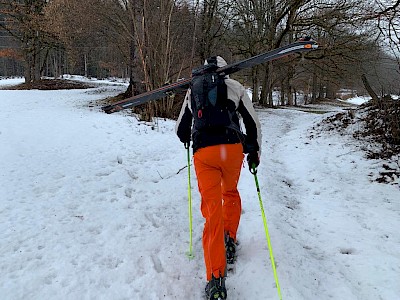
<point>271,255</point>
<point>190,252</point>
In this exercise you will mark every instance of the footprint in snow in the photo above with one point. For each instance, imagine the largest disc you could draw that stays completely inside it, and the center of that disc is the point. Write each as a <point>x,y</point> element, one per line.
<point>347,251</point>
<point>157,264</point>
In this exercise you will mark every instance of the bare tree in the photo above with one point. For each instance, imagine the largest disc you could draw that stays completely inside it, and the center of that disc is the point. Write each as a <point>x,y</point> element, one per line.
<point>343,40</point>
<point>145,41</point>
<point>23,20</point>
<point>156,47</point>
<point>261,25</point>
<point>93,47</point>
<point>385,15</point>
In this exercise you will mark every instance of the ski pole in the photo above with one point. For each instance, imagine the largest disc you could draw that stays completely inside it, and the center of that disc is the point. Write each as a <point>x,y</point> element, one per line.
<point>271,255</point>
<point>190,252</point>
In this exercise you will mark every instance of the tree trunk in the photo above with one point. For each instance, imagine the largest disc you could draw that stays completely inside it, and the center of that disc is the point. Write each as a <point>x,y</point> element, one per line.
<point>330,91</point>
<point>321,92</point>
<point>32,66</point>
<point>255,84</point>
<point>314,87</point>
<point>282,94</point>
<point>369,89</point>
<point>132,88</point>
<point>85,64</point>
<point>266,91</point>
<point>207,20</point>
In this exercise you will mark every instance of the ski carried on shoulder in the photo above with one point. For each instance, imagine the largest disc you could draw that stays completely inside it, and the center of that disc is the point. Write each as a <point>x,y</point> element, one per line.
<point>181,85</point>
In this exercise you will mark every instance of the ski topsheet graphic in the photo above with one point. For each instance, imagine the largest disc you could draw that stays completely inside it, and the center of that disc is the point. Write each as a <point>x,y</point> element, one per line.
<point>184,84</point>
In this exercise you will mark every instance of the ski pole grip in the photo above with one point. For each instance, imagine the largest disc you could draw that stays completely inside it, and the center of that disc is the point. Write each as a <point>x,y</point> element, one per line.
<point>253,169</point>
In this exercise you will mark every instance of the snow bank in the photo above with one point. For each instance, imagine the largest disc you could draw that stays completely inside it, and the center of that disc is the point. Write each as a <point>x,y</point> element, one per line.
<point>10,81</point>
<point>358,100</point>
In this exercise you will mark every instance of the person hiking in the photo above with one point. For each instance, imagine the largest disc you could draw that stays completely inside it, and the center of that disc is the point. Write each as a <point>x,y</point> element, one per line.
<point>209,118</point>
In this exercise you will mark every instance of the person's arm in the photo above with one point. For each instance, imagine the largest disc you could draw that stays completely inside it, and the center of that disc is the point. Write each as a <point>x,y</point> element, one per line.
<point>183,127</point>
<point>252,144</point>
<point>251,122</point>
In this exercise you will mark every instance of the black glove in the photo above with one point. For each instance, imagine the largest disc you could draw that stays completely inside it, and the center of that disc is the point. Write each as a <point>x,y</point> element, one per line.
<point>253,160</point>
<point>185,137</point>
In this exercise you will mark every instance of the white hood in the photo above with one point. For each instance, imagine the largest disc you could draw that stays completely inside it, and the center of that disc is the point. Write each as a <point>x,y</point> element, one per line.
<point>220,62</point>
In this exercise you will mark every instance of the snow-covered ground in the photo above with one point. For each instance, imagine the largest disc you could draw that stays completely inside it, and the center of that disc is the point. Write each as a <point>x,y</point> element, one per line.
<point>94,206</point>
<point>4,83</point>
<point>358,100</point>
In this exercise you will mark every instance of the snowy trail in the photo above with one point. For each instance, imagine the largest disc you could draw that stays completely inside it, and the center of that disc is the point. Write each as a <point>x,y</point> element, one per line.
<point>94,206</point>
<point>331,232</point>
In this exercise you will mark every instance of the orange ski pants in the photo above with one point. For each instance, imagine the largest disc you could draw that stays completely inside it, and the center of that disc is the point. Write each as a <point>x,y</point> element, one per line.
<point>218,170</point>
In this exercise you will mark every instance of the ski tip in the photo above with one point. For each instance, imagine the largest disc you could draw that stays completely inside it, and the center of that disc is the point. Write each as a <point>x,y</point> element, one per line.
<point>109,109</point>
<point>311,46</point>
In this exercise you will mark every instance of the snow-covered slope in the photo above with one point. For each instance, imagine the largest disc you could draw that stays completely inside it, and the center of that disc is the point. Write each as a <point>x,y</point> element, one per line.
<point>94,206</point>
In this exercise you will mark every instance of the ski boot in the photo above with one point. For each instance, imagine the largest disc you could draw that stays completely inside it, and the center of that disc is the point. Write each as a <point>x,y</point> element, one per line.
<point>230,249</point>
<point>215,289</point>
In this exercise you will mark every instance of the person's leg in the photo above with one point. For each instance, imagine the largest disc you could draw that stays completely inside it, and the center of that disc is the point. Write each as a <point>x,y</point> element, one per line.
<point>209,174</point>
<point>232,207</point>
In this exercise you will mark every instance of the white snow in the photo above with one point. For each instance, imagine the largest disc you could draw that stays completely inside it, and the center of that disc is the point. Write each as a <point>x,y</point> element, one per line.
<point>5,82</point>
<point>358,100</point>
<point>94,206</point>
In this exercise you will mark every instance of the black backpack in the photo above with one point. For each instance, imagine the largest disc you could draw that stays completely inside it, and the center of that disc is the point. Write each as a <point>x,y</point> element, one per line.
<point>211,108</point>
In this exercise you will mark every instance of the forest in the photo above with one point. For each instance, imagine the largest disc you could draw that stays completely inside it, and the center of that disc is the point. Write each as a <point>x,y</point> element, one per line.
<point>154,42</point>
